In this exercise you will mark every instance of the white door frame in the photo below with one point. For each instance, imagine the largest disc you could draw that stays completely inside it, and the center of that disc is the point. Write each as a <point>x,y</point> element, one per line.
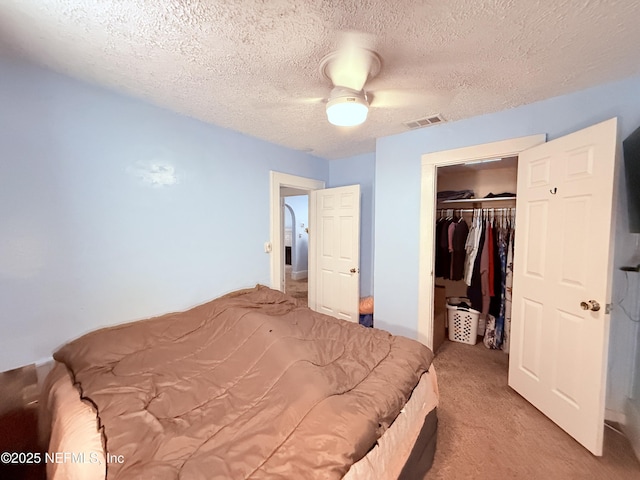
<point>277,180</point>
<point>426,261</point>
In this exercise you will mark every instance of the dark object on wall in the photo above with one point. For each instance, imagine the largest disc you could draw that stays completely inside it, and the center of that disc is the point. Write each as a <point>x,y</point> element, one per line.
<point>287,255</point>
<point>631,149</point>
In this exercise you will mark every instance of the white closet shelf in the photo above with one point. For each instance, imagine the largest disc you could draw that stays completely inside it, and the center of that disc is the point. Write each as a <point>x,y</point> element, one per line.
<point>478,200</point>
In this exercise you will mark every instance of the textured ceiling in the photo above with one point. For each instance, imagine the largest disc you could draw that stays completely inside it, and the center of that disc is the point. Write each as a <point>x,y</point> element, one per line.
<point>252,65</point>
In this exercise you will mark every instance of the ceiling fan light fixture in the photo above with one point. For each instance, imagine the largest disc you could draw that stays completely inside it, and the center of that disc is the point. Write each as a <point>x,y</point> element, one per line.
<point>347,108</point>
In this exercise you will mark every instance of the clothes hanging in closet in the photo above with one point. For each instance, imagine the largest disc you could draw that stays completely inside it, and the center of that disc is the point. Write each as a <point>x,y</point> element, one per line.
<point>451,236</point>
<point>482,256</point>
<point>474,290</point>
<point>496,330</point>
<point>458,253</point>
<point>442,259</point>
<point>506,343</point>
<point>471,248</point>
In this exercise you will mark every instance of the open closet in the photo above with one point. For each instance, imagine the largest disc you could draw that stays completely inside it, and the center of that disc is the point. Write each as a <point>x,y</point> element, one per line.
<point>562,264</point>
<point>473,251</point>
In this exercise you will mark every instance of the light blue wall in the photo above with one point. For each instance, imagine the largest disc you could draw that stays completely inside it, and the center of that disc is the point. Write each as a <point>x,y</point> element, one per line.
<point>397,200</point>
<point>86,241</point>
<point>300,206</point>
<point>360,170</point>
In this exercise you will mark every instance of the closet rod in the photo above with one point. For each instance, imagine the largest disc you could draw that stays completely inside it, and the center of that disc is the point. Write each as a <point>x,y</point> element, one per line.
<point>471,210</point>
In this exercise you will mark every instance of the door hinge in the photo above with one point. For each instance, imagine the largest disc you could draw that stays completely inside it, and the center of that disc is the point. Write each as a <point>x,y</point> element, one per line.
<point>608,307</point>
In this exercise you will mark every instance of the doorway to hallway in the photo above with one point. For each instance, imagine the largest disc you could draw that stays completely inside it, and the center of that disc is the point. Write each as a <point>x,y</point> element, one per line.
<point>296,244</point>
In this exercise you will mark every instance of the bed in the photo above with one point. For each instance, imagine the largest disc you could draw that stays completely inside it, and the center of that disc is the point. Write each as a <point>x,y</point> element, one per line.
<point>250,385</point>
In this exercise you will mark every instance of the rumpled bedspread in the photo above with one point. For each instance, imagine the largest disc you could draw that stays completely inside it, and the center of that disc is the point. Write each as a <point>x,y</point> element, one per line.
<point>250,385</point>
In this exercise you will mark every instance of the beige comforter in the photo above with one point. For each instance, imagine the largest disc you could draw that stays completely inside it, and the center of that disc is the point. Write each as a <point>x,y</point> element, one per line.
<point>250,385</point>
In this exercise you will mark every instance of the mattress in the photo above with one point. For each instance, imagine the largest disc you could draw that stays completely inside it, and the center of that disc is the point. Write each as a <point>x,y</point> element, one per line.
<point>390,458</point>
<point>250,385</point>
<point>72,426</point>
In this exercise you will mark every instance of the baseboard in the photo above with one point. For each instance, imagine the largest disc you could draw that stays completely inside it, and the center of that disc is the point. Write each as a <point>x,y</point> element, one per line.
<point>301,275</point>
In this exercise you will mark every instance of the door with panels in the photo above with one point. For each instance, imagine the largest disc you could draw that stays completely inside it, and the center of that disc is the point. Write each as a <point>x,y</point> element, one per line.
<point>562,279</point>
<point>334,252</point>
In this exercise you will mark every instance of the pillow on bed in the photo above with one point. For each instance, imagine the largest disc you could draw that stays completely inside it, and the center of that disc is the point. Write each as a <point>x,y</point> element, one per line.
<point>74,430</point>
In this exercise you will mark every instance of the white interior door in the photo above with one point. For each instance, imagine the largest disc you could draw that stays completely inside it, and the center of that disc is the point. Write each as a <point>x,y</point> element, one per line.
<point>562,258</point>
<point>334,252</point>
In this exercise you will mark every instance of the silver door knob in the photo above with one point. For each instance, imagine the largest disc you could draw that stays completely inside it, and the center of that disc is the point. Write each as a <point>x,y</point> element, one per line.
<point>590,305</point>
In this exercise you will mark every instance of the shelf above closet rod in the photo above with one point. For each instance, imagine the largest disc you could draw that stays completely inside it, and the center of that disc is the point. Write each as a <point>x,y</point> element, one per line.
<point>478,200</point>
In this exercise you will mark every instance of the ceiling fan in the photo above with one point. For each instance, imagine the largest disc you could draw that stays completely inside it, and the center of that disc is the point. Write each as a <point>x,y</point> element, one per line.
<point>348,69</point>
<point>351,69</point>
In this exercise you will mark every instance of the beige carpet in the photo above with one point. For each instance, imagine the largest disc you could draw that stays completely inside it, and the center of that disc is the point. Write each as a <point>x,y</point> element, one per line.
<point>295,288</point>
<point>486,430</point>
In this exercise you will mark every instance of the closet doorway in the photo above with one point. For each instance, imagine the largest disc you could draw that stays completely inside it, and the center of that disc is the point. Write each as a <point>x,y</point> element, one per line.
<point>472,198</point>
<point>431,163</point>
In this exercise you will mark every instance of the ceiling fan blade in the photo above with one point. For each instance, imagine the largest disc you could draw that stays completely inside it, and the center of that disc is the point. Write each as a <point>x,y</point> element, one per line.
<point>308,100</point>
<point>289,103</point>
<point>389,98</point>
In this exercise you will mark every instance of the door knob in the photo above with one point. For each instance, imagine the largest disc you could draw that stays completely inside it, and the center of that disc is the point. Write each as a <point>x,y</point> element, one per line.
<point>353,270</point>
<point>590,305</point>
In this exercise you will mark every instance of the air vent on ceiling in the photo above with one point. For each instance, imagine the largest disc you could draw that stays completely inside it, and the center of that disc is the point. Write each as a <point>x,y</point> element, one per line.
<point>424,122</point>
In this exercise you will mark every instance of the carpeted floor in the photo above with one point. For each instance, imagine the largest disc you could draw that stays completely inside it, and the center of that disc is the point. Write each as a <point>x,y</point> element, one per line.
<point>295,288</point>
<point>487,431</point>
